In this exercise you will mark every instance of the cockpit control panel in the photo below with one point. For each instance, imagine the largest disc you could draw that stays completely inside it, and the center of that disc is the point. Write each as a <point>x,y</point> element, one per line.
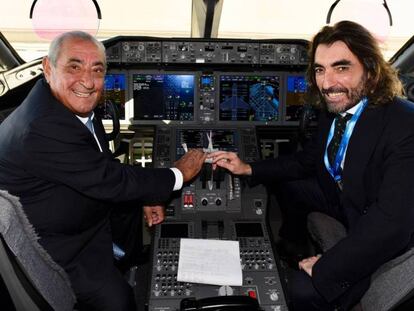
<point>210,94</point>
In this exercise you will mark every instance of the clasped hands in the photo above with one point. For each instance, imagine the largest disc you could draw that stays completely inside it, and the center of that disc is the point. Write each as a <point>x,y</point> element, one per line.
<point>191,162</point>
<point>229,161</point>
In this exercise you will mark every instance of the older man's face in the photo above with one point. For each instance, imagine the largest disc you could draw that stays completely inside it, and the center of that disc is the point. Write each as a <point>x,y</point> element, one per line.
<point>78,78</point>
<point>339,76</point>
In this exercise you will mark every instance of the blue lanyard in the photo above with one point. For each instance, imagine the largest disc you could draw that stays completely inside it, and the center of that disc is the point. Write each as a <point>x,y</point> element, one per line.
<point>335,170</point>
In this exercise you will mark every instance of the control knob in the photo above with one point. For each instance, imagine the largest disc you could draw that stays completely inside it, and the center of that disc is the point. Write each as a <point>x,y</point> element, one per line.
<point>225,290</point>
<point>274,296</point>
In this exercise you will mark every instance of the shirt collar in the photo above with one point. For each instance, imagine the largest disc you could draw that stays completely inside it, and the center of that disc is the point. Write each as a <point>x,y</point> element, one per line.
<point>352,110</point>
<point>85,119</point>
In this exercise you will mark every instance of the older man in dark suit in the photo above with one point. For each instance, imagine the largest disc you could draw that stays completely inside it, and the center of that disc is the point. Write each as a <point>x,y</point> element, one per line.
<point>54,157</point>
<point>359,169</point>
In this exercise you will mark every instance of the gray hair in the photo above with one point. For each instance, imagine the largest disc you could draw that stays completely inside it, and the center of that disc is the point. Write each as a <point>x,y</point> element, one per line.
<point>56,45</point>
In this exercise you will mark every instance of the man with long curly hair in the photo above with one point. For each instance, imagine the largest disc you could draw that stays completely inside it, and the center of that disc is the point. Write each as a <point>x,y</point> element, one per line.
<point>359,169</point>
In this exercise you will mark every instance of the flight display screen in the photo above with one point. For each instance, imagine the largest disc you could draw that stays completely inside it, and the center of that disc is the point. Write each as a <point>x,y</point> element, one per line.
<point>114,91</point>
<point>163,96</point>
<point>223,139</point>
<point>295,97</point>
<point>249,98</point>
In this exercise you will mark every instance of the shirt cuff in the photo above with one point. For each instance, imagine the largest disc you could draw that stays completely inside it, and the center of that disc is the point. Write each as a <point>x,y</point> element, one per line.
<point>178,178</point>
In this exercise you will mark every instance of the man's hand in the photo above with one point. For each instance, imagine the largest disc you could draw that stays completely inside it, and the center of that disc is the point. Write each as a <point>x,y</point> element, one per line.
<point>230,161</point>
<point>154,214</point>
<point>190,163</point>
<point>307,264</point>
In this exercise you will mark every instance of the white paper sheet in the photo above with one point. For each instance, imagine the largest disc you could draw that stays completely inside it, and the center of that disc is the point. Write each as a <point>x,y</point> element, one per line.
<point>214,262</point>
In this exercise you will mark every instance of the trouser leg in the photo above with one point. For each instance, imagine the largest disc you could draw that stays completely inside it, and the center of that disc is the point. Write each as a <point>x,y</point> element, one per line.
<point>302,294</point>
<point>115,294</point>
<point>296,200</point>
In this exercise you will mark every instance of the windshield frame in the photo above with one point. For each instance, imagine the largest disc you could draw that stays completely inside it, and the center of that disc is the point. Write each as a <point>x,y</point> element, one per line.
<point>9,58</point>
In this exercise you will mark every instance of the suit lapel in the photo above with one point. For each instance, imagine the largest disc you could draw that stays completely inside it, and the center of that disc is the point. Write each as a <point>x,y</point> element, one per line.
<point>101,135</point>
<point>362,144</point>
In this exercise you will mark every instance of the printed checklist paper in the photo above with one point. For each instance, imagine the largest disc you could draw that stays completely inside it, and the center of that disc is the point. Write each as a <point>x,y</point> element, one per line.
<point>214,262</point>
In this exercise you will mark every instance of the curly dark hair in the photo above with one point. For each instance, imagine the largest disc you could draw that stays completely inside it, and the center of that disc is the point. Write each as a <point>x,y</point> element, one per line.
<point>382,83</point>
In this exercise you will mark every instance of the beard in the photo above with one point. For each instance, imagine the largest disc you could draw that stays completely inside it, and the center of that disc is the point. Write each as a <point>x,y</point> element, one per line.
<point>354,96</point>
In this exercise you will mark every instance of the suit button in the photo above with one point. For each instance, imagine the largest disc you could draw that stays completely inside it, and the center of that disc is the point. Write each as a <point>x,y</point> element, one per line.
<point>364,211</point>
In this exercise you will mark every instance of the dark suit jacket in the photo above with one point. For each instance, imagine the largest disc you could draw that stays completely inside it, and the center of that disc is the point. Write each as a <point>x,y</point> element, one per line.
<point>377,201</point>
<point>52,162</point>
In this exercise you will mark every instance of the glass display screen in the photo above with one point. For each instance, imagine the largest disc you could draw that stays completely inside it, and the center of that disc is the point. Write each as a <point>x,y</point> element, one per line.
<point>163,96</point>
<point>114,91</point>
<point>295,97</point>
<point>249,98</point>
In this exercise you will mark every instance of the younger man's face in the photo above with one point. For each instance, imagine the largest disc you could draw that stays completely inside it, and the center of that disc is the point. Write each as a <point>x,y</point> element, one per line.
<point>339,75</point>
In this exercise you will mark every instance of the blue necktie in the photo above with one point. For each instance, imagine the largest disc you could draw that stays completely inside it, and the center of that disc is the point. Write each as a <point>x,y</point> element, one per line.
<point>89,125</point>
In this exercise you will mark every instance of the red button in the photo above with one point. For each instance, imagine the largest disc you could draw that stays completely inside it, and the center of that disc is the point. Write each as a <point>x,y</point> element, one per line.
<point>252,294</point>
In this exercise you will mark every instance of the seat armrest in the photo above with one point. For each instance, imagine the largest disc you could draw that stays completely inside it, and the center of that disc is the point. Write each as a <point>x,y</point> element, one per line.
<point>325,230</point>
<point>391,284</point>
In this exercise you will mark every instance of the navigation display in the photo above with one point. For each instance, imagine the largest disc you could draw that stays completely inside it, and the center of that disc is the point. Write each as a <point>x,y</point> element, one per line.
<point>249,98</point>
<point>114,91</point>
<point>163,96</point>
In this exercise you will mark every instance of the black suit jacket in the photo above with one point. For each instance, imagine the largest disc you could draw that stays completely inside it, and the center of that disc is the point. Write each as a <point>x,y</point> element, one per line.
<point>377,201</point>
<point>52,162</point>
